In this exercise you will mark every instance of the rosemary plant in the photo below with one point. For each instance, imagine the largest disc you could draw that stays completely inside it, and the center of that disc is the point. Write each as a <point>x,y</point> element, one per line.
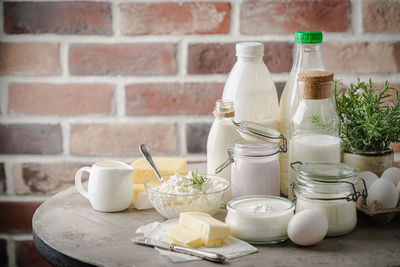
<point>369,117</point>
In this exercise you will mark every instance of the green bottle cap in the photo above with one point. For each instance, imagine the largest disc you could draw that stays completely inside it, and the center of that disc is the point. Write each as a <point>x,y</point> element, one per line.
<point>308,37</point>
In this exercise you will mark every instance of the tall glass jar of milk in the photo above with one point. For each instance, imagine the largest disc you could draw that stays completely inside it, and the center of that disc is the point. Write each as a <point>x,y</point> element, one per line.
<point>307,57</point>
<point>222,137</point>
<point>315,124</point>
<point>251,87</point>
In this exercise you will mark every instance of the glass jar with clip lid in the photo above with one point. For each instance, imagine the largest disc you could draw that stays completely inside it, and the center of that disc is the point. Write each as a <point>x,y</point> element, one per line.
<point>255,161</point>
<point>331,189</point>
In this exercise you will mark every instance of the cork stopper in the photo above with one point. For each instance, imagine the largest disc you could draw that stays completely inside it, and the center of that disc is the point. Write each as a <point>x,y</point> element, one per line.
<point>315,84</point>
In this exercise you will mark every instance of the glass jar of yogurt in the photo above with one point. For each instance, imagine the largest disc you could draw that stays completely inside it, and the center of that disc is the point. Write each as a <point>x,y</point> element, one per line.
<point>329,188</point>
<point>255,161</point>
<point>259,219</point>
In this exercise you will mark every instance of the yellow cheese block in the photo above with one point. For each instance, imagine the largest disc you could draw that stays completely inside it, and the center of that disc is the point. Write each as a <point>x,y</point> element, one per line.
<point>142,171</point>
<point>205,225</point>
<point>136,189</point>
<point>181,236</point>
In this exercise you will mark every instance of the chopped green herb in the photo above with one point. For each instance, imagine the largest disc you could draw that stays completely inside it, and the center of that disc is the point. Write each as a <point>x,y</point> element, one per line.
<point>196,180</point>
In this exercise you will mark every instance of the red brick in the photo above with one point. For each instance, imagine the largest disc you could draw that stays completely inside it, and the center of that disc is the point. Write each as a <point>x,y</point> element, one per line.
<point>172,98</point>
<point>196,137</point>
<point>397,54</point>
<point>44,178</point>
<point>27,255</point>
<point>276,17</point>
<point>374,57</point>
<point>29,59</point>
<point>3,179</point>
<point>3,253</point>
<point>60,99</point>
<point>122,59</point>
<point>118,139</point>
<point>30,139</point>
<point>175,18</point>
<point>16,216</point>
<point>220,58</point>
<point>381,16</point>
<point>57,17</point>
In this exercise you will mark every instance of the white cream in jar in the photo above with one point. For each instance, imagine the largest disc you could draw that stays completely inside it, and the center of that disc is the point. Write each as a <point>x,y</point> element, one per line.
<point>259,219</point>
<point>341,215</point>
<point>331,189</point>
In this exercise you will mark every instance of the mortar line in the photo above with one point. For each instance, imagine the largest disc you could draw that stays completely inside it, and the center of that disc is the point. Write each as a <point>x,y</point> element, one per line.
<point>235,18</point>
<point>11,252</point>
<point>357,17</point>
<point>8,169</point>
<point>63,55</point>
<point>4,97</point>
<point>182,139</point>
<point>65,131</point>
<point>119,99</point>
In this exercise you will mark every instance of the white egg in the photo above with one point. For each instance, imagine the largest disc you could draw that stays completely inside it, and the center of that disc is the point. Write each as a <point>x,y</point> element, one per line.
<point>398,187</point>
<point>383,191</point>
<point>308,227</point>
<point>369,178</point>
<point>392,174</point>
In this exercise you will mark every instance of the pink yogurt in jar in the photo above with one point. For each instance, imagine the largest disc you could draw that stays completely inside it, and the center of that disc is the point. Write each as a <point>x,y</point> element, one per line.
<point>255,169</point>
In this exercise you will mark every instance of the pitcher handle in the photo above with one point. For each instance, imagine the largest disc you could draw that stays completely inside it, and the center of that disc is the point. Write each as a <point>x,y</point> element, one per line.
<point>78,181</point>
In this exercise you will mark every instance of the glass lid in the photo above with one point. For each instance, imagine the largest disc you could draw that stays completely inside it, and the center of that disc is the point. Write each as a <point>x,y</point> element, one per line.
<point>323,171</point>
<point>258,131</point>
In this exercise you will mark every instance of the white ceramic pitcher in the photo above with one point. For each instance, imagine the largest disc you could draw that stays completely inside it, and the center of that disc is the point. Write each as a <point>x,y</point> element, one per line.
<point>110,187</point>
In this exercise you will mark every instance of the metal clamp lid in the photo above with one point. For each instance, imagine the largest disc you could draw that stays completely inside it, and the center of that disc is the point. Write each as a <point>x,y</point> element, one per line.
<point>262,133</point>
<point>351,197</point>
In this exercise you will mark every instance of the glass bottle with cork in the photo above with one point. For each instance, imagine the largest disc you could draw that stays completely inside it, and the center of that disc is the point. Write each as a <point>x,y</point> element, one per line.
<point>307,57</point>
<point>314,127</point>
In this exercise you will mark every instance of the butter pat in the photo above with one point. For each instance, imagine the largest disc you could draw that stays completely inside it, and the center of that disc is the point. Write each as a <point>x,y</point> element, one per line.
<point>214,243</point>
<point>142,171</point>
<point>209,229</point>
<point>181,236</point>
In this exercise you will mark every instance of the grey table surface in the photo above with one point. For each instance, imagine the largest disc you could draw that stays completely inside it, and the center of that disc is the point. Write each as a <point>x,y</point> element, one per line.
<point>68,224</point>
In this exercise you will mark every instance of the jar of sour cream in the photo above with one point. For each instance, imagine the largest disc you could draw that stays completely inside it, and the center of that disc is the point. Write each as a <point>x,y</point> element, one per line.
<point>329,188</point>
<point>259,219</point>
<point>255,161</point>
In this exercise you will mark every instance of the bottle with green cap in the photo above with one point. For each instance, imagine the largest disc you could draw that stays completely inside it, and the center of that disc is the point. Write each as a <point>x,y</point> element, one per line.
<point>307,57</point>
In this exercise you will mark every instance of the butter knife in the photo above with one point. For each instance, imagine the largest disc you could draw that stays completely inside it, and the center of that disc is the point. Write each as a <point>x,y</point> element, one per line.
<point>210,256</point>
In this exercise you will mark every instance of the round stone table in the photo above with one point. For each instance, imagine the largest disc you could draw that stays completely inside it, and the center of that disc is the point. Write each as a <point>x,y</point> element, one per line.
<point>68,232</point>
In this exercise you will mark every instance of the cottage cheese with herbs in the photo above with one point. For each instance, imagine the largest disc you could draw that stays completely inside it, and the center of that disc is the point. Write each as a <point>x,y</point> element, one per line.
<point>182,193</point>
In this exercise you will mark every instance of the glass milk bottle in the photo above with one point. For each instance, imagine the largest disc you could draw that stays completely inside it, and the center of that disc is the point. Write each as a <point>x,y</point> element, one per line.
<point>314,127</point>
<point>251,87</point>
<point>222,137</point>
<point>307,57</point>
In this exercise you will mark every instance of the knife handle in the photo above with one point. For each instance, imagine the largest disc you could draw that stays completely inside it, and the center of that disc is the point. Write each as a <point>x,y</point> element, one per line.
<point>210,256</point>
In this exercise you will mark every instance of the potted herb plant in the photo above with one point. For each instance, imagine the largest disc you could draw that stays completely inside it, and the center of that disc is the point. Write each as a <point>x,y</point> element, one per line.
<point>369,123</point>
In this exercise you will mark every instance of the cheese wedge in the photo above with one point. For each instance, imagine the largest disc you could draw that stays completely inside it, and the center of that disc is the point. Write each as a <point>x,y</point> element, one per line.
<point>136,189</point>
<point>205,225</point>
<point>142,171</point>
<point>181,236</point>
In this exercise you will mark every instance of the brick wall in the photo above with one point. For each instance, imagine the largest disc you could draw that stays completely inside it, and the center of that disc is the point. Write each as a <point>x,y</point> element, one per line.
<point>83,81</point>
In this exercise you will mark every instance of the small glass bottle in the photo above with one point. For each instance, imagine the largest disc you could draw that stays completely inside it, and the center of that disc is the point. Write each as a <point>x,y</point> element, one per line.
<point>307,57</point>
<point>222,137</point>
<point>331,189</point>
<point>314,127</point>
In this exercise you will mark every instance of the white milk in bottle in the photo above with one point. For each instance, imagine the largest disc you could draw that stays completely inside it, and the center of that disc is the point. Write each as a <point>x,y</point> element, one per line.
<point>307,57</point>
<point>251,87</point>
<point>222,137</point>
<point>314,127</point>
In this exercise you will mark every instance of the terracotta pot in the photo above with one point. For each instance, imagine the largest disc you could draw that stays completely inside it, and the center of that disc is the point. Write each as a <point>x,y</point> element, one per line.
<point>375,162</point>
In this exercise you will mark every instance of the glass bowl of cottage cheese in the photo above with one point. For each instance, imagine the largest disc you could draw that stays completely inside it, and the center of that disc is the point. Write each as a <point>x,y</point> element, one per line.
<point>190,192</point>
